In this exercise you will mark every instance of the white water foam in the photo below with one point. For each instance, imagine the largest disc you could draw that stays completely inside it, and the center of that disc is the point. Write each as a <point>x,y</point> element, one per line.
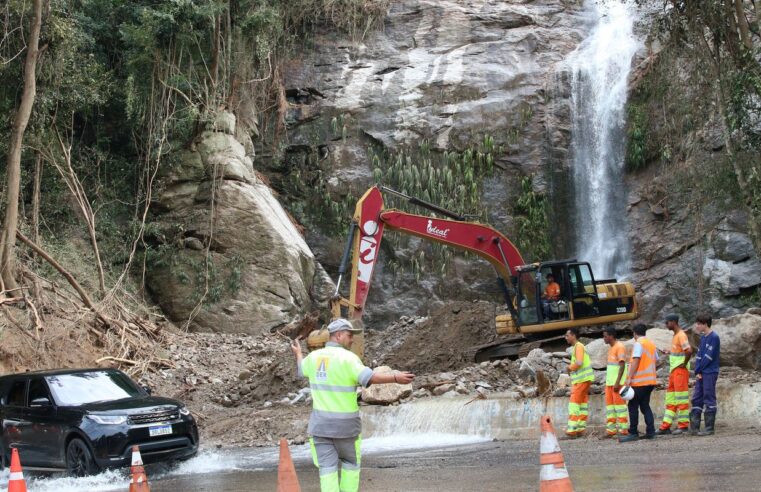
<point>416,441</point>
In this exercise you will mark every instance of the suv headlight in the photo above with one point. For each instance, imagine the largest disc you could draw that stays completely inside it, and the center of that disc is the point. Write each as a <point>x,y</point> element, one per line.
<point>184,411</point>
<point>108,419</point>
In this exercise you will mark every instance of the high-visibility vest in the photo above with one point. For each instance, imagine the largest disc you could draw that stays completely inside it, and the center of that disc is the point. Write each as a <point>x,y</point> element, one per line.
<point>333,379</point>
<point>677,354</point>
<point>584,372</point>
<point>645,375</point>
<point>614,363</point>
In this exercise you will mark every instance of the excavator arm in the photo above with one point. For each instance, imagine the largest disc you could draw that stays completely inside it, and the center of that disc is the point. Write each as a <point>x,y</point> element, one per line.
<point>587,303</point>
<point>371,219</point>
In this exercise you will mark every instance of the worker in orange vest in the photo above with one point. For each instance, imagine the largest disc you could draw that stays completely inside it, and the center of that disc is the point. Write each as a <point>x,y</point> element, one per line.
<point>642,379</point>
<point>615,406</point>
<point>678,392</point>
<point>551,294</point>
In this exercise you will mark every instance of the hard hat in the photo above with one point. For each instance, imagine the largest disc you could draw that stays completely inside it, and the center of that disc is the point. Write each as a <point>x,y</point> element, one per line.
<point>627,393</point>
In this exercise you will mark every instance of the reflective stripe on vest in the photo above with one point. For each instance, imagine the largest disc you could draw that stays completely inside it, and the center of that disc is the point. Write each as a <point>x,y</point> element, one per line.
<point>584,372</point>
<point>645,375</point>
<point>334,381</point>
<point>676,359</point>
<point>611,373</point>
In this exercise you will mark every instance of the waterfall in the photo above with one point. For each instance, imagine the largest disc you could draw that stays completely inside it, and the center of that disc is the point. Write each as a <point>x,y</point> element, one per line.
<point>599,70</point>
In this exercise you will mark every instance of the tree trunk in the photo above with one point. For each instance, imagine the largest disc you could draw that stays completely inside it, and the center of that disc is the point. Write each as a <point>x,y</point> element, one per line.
<point>36,199</point>
<point>78,193</point>
<point>20,120</point>
<point>215,53</point>
<point>36,214</point>
<point>742,23</point>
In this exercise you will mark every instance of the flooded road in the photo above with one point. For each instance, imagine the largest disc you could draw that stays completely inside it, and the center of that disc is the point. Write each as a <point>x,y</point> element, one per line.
<point>724,462</point>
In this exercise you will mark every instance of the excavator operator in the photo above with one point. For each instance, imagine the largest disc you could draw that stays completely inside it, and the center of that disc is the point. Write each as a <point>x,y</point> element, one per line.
<point>551,293</point>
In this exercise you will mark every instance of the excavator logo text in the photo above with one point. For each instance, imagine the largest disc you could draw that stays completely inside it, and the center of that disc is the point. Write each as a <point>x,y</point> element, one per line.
<point>368,248</point>
<point>432,229</point>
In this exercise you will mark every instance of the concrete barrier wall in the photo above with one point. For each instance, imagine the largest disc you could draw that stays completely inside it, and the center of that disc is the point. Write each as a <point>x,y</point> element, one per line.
<point>503,417</point>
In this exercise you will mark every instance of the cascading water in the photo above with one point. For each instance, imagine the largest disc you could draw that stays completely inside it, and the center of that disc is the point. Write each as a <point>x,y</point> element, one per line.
<point>600,69</point>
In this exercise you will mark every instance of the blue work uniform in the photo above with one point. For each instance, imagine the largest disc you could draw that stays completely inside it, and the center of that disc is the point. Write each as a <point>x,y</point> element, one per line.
<point>707,366</point>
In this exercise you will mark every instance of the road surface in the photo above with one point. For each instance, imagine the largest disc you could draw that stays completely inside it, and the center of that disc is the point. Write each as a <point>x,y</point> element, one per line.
<point>729,461</point>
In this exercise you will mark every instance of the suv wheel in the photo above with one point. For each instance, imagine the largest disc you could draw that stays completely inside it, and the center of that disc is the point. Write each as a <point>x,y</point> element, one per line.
<point>79,460</point>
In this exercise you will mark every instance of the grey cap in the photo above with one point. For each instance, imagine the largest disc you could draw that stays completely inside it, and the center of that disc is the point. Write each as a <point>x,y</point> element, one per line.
<point>342,324</point>
<point>672,317</point>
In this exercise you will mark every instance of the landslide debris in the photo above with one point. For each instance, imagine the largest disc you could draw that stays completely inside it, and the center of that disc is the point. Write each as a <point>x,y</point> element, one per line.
<point>441,341</point>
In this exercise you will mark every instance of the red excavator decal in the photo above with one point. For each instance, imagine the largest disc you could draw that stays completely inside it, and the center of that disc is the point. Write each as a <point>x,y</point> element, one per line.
<point>367,216</point>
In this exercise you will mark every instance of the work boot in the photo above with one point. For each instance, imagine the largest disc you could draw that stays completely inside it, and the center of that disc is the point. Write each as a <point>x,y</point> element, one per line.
<point>629,438</point>
<point>695,423</point>
<point>679,431</point>
<point>710,422</point>
<point>663,432</point>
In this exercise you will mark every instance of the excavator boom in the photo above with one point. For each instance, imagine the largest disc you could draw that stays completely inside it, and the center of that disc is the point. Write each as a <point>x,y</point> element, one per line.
<point>371,219</point>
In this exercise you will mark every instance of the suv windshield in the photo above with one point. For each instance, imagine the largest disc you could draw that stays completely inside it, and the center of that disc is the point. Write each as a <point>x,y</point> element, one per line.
<point>90,387</point>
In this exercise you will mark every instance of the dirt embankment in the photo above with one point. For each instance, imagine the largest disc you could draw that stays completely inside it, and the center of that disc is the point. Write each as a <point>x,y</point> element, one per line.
<point>442,341</point>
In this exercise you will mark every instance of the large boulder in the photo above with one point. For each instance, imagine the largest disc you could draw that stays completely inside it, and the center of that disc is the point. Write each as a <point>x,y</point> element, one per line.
<point>230,257</point>
<point>740,340</point>
<point>385,394</point>
<point>661,338</point>
<point>598,353</point>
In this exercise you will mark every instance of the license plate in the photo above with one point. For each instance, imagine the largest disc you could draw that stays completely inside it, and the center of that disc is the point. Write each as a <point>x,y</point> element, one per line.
<point>160,430</point>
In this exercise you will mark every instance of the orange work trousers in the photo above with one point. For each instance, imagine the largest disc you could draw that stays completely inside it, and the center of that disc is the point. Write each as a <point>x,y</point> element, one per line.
<point>678,399</point>
<point>617,413</point>
<point>578,408</point>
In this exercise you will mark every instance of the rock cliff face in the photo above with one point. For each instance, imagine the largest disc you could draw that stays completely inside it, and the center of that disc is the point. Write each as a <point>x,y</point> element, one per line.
<point>689,230</point>
<point>447,72</point>
<point>261,273</point>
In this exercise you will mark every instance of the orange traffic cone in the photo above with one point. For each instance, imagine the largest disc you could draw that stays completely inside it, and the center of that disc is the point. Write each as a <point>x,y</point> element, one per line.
<point>287,481</point>
<point>553,476</point>
<point>139,482</point>
<point>16,481</point>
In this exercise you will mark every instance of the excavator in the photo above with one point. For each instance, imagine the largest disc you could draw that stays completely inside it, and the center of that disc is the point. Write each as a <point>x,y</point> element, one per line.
<point>583,302</point>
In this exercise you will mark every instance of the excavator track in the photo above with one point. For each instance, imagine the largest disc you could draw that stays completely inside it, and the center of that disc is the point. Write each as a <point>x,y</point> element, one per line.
<point>517,347</point>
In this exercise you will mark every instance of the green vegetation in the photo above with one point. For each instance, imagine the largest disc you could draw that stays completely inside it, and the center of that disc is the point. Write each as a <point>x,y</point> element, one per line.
<point>533,224</point>
<point>705,83</point>
<point>121,85</point>
<point>452,180</point>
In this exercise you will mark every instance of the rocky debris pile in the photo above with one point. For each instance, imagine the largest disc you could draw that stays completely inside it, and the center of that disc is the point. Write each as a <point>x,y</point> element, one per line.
<point>482,379</point>
<point>442,341</point>
<point>380,344</point>
<point>212,370</point>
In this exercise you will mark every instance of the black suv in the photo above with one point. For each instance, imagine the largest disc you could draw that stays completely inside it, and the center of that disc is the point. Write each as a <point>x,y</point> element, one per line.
<point>87,419</point>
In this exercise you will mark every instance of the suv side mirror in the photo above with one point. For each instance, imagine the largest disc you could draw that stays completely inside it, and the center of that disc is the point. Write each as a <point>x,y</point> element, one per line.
<point>147,389</point>
<point>40,402</point>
